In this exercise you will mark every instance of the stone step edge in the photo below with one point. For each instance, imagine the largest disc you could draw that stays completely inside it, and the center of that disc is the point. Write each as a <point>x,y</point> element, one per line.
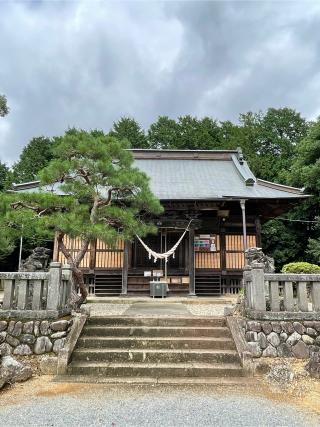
<point>135,365</point>
<point>152,316</point>
<point>154,350</point>
<point>153,328</point>
<point>142,338</point>
<point>216,381</point>
<point>216,300</point>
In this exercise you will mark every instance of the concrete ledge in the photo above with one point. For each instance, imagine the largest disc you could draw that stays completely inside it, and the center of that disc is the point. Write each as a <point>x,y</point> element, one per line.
<point>25,275</point>
<point>34,314</point>
<point>65,353</point>
<point>288,277</point>
<point>282,315</point>
<point>241,344</point>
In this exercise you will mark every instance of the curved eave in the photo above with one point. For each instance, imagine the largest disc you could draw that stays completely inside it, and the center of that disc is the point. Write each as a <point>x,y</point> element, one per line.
<point>282,187</point>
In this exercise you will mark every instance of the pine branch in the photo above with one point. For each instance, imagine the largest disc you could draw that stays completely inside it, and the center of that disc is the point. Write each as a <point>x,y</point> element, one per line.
<point>40,211</point>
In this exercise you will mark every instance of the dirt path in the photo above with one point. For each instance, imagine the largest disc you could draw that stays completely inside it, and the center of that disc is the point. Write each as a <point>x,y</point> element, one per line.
<point>41,402</point>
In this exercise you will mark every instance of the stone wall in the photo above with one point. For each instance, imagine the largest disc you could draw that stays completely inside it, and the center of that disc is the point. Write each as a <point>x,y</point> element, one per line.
<point>33,336</point>
<point>282,339</point>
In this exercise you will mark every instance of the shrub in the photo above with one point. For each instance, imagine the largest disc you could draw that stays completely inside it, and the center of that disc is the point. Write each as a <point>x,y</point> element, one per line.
<point>301,267</point>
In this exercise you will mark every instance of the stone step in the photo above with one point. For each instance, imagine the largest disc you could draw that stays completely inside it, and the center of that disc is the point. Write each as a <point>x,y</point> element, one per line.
<point>156,369</point>
<point>156,356</point>
<point>169,381</point>
<point>156,321</point>
<point>156,342</point>
<point>156,331</point>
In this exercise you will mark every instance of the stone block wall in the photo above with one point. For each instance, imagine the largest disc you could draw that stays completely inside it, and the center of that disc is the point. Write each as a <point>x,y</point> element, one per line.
<point>33,336</point>
<point>282,339</point>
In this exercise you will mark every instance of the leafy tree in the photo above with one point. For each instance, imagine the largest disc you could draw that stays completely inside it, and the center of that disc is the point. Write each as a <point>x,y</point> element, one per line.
<point>106,197</point>
<point>269,141</point>
<point>34,157</point>
<point>164,133</point>
<point>305,171</point>
<point>198,134</point>
<point>187,133</point>
<point>284,240</point>
<point>128,128</point>
<point>4,109</point>
<point>4,172</point>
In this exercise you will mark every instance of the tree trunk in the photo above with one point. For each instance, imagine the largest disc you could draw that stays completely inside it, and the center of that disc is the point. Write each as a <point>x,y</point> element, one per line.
<point>78,279</point>
<point>76,272</point>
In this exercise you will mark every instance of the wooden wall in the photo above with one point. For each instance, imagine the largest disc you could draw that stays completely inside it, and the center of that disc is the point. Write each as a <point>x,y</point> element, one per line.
<point>209,259</point>
<point>229,253</point>
<point>99,255</point>
<point>233,250</point>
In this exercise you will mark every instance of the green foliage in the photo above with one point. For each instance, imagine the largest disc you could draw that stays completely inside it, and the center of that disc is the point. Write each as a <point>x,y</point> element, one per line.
<point>4,109</point>
<point>4,173</point>
<point>128,128</point>
<point>305,170</point>
<point>187,133</point>
<point>283,241</point>
<point>314,249</point>
<point>269,141</point>
<point>301,267</point>
<point>164,133</point>
<point>34,157</point>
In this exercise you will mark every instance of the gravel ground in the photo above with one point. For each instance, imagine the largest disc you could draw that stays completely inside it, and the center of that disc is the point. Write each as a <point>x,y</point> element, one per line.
<point>97,309</point>
<point>206,309</point>
<point>119,309</point>
<point>118,406</point>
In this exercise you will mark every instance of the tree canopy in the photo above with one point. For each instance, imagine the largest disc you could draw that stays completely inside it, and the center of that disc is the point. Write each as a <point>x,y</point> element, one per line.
<point>4,172</point>
<point>105,197</point>
<point>4,109</point>
<point>34,157</point>
<point>128,128</point>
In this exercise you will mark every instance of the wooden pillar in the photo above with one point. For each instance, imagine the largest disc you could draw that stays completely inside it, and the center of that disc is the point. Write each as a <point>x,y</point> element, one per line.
<point>191,264</point>
<point>244,224</point>
<point>125,268</point>
<point>258,232</point>
<point>93,251</point>
<point>223,255</point>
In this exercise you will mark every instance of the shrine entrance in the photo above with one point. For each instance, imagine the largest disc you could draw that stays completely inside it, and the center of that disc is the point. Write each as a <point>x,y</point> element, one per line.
<point>160,243</point>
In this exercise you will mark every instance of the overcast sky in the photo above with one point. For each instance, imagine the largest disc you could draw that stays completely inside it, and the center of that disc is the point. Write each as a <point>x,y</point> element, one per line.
<point>86,63</point>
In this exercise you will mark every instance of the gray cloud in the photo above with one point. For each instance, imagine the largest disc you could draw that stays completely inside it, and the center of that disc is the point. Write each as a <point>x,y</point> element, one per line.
<point>86,63</point>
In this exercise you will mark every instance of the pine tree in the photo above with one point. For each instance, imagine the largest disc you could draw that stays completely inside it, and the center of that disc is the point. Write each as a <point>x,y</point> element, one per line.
<point>104,197</point>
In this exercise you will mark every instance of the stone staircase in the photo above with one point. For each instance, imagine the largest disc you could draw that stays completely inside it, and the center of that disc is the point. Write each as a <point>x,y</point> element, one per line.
<point>152,348</point>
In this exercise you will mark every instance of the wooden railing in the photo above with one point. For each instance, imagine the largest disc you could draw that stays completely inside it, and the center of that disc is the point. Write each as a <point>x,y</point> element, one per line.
<point>38,291</point>
<point>281,292</point>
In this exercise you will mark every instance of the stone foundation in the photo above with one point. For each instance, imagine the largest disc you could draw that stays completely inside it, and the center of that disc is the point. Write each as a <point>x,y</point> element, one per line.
<point>33,336</point>
<point>282,339</point>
